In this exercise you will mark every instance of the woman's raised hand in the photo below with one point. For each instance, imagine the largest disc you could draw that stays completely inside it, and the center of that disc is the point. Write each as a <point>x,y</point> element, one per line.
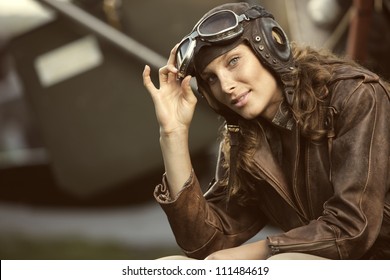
<point>174,100</point>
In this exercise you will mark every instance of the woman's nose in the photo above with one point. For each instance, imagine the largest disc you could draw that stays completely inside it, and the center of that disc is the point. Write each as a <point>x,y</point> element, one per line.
<point>227,83</point>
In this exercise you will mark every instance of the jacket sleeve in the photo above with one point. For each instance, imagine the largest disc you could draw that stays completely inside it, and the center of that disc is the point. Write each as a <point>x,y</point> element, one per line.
<point>203,224</point>
<point>352,217</point>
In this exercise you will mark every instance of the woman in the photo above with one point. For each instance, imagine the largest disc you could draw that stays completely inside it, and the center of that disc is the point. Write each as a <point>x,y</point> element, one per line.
<point>305,146</point>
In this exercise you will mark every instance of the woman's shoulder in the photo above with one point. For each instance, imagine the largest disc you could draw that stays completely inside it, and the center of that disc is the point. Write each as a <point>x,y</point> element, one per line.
<point>342,72</point>
<point>357,83</point>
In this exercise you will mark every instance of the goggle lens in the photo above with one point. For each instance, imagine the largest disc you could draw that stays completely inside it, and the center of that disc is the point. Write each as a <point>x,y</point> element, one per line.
<point>218,23</point>
<point>182,50</point>
<point>184,56</point>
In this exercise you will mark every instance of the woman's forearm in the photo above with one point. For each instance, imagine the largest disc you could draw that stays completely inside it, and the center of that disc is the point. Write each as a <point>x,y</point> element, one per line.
<point>177,161</point>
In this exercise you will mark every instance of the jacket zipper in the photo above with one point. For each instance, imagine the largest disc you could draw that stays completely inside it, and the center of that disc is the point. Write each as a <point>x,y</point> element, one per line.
<point>276,249</point>
<point>279,189</point>
<point>296,165</point>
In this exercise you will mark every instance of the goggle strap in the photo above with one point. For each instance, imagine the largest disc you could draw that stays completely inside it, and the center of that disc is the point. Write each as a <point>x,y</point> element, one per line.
<point>256,12</point>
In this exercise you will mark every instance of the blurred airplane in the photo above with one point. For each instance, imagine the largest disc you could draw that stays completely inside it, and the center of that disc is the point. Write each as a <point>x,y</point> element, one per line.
<point>88,129</point>
<point>77,125</point>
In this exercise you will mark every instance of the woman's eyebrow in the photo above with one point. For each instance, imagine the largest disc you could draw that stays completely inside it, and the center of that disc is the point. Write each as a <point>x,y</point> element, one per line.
<point>222,57</point>
<point>205,74</point>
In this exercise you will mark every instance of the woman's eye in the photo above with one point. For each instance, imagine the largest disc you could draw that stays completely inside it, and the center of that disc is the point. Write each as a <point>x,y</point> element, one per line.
<point>211,79</point>
<point>233,61</point>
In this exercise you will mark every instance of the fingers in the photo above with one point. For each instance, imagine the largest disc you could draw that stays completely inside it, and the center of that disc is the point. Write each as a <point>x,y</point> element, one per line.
<point>167,74</point>
<point>187,90</point>
<point>172,56</point>
<point>171,66</point>
<point>147,80</point>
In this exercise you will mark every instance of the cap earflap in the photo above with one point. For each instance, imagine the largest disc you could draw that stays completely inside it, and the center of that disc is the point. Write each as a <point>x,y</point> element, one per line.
<point>270,43</point>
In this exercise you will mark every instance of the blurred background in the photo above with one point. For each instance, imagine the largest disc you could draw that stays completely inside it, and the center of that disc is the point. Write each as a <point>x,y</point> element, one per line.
<point>79,151</point>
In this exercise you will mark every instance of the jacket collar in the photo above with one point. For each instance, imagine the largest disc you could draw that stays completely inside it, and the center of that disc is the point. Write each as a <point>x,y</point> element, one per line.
<point>284,117</point>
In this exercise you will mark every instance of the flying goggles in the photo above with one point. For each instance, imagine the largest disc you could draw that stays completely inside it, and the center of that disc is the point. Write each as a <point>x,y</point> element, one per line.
<point>218,27</point>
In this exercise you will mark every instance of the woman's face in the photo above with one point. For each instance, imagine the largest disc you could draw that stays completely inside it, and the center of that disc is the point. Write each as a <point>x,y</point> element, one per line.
<point>238,80</point>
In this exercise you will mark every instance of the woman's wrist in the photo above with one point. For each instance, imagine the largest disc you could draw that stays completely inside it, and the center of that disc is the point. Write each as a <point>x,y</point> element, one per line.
<point>175,133</point>
<point>177,139</point>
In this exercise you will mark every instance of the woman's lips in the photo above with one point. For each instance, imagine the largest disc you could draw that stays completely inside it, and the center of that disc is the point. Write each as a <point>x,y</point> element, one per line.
<point>241,100</point>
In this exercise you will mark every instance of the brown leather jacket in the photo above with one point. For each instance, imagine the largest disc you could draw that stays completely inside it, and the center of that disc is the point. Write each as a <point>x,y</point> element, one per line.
<point>331,198</point>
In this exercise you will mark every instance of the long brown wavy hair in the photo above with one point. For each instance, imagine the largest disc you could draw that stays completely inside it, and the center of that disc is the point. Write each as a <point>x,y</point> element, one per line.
<point>314,71</point>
